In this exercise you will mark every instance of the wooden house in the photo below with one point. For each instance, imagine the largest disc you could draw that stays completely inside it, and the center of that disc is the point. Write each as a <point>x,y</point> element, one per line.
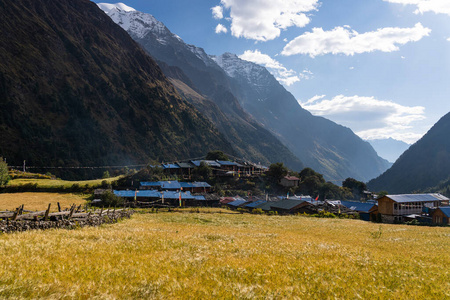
<point>289,206</point>
<point>367,210</point>
<point>185,169</point>
<point>393,207</point>
<point>441,216</point>
<point>289,181</point>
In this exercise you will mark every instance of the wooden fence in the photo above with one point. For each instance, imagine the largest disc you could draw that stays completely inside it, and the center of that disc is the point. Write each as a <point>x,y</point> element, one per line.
<point>75,217</point>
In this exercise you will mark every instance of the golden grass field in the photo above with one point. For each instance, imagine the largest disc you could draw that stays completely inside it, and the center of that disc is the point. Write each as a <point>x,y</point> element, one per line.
<point>52,183</point>
<point>182,255</point>
<point>39,201</point>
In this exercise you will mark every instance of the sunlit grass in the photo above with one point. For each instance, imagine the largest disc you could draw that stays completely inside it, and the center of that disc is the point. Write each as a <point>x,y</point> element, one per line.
<point>39,201</point>
<point>52,183</point>
<point>205,255</point>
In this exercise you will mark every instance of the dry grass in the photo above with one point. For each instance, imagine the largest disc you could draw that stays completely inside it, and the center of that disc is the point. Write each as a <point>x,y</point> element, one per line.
<point>232,256</point>
<point>52,183</point>
<point>39,201</point>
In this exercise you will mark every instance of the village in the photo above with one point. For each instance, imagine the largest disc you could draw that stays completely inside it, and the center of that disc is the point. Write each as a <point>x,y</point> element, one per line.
<point>415,209</point>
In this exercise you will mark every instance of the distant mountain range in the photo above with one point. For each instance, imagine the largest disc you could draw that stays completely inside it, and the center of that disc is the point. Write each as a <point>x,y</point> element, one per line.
<point>252,104</point>
<point>424,165</point>
<point>390,148</point>
<point>76,90</point>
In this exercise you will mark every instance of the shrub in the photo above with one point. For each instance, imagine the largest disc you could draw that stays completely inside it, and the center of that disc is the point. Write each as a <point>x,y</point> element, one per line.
<point>110,200</point>
<point>257,211</point>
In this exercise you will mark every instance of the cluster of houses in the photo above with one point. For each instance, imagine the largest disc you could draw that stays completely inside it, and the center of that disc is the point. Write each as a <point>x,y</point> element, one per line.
<point>425,208</point>
<point>218,167</point>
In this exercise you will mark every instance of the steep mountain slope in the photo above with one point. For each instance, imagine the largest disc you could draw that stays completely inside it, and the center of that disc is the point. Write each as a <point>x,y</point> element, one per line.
<point>325,146</point>
<point>389,149</point>
<point>425,164</point>
<point>75,89</point>
<point>209,88</point>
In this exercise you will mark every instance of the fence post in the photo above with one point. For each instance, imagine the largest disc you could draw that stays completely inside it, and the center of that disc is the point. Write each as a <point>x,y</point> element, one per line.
<point>47,212</point>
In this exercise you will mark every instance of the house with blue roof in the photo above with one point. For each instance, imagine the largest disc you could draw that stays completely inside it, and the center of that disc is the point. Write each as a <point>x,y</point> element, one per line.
<point>172,185</point>
<point>291,206</point>
<point>367,211</point>
<point>441,215</point>
<point>393,208</point>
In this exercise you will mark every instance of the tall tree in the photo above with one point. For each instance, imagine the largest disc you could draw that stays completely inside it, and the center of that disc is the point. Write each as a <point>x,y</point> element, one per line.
<point>4,177</point>
<point>216,155</point>
<point>277,171</point>
<point>356,187</point>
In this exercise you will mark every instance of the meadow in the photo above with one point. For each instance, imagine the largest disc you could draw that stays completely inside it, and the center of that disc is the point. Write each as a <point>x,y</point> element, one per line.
<point>40,201</point>
<point>219,254</point>
<point>58,183</point>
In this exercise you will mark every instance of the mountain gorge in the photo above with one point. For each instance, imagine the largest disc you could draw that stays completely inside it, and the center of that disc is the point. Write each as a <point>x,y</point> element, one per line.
<point>390,148</point>
<point>250,97</point>
<point>423,166</point>
<point>75,89</point>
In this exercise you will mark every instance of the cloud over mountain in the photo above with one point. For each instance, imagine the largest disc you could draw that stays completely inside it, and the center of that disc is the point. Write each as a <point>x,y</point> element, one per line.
<point>370,118</point>
<point>343,40</point>
<point>263,20</point>
<point>281,73</point>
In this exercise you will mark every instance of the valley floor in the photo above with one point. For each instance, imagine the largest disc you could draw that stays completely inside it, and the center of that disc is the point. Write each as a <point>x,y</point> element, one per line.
<point>183,255</point>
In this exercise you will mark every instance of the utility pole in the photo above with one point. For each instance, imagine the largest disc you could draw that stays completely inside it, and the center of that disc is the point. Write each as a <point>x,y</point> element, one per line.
<point>24,166</point>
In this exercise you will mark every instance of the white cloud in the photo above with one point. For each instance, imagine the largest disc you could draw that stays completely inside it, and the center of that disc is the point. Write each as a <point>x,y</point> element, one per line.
<point>263,20</point>
<point>348,42</point>
<point>281,73</point>
<point>368,117</point>
<point>436,6</point>
<point>217,12</point>
<point>221,29</point>
<point>448,39</point>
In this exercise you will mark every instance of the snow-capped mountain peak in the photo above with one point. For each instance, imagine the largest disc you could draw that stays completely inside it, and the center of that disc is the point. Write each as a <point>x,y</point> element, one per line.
<point>238,68</point>
<point>135,22</point>
<point>107,7</point>
<point>139,24</point>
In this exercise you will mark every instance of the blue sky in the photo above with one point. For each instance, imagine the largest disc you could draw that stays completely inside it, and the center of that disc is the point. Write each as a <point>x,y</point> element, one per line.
<point>380,67</point>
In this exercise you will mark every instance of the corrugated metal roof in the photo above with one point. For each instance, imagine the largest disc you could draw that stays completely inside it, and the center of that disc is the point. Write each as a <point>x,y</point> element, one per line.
<point>237,203</point>
<point>185,165</point>
<point>170,166</point>
<point>200,198</point>
<point>176,195</point>
<point>226,200</point>
<point>151,183</point>
<point>358,206</point>
<point>211,163</point>
<point>287,204</point>
<point>417,198</point>
<point>170,185</point>
<point>139,194</point>
<point>195,184</point>
<point>445,210</point>
<point>266,206</point>
<point>254,204</point>
<point>227,163</point>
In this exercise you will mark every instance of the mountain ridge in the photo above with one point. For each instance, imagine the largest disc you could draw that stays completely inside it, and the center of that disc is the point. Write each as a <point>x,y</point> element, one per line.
<point>424,165</point>
<point>75,89</point>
